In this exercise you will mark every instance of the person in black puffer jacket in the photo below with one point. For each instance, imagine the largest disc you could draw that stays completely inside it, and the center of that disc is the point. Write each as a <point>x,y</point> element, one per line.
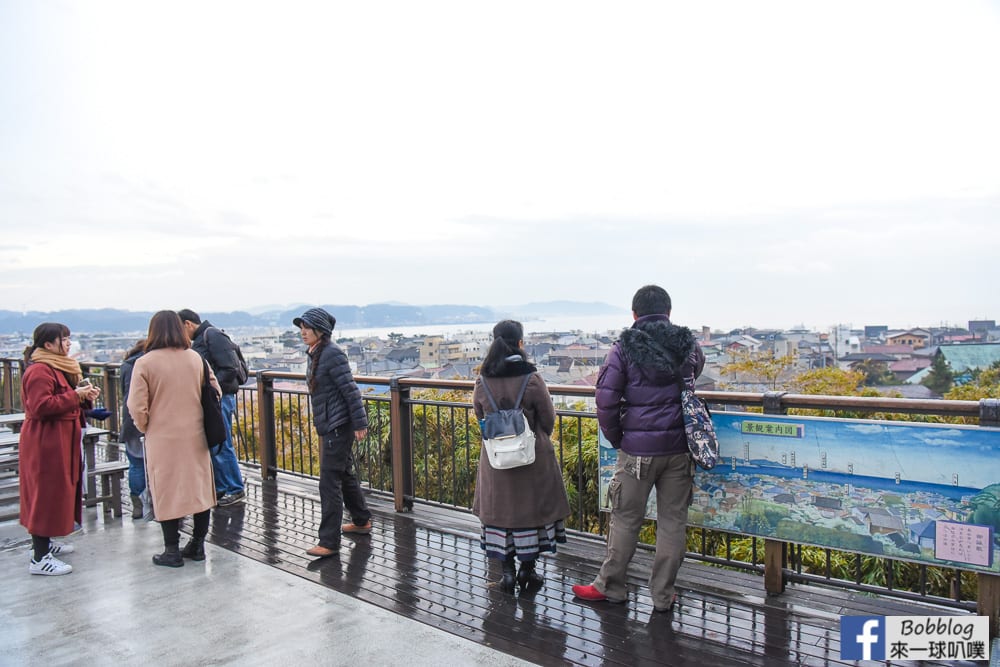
<point>340,419</point>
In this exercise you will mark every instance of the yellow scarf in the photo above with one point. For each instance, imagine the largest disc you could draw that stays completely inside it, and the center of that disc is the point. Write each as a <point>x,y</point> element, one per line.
<point>68,365</point>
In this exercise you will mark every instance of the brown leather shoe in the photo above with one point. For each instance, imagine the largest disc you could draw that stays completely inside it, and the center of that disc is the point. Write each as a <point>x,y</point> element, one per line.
<point>357,530</point>
<point>320,551</point>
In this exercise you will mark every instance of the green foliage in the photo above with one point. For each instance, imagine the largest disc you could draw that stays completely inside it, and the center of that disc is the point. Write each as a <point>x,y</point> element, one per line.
<point>985,384</point>
<point>806,532</point>
<point>828,381</point>
<point>940,378</point>
<point>876,372</point>
<point>986,507</point>
<point>446,447</point>
<point>575,441</point>
<point>761,367</point>
<point>760,517</point>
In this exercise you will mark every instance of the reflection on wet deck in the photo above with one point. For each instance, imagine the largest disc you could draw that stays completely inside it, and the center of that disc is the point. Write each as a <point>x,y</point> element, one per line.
<point>427,566</point>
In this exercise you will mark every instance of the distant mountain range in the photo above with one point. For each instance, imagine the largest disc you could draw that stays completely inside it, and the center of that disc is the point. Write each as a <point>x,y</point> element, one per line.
<point>108,320</point>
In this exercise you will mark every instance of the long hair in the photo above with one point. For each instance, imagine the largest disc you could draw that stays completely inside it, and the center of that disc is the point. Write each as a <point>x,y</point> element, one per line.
<point>166,330</point>
<point>506,336</point>
<point>140,346</point>
<point>46,332</point>
<point>324,340</point>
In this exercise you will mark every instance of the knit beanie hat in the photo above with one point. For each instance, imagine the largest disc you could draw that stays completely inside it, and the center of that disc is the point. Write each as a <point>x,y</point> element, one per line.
<point>318,320</point>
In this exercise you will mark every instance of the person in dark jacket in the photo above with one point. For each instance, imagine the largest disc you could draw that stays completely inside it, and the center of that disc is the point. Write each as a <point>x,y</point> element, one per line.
<point>521,509</point>
<point>340,419</point>
<point>639,412</point>
<point>131,436</point>
<point>223,357</point>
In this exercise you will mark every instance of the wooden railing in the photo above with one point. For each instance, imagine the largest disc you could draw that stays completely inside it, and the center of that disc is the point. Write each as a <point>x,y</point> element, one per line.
<point>421,446</point>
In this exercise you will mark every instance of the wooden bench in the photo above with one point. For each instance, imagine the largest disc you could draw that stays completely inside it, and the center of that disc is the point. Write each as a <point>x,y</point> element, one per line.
<point>104,478</point>
<point>110,473</point>
<point>9,462</point>
<point>12,421</point>
<point>10,499</point>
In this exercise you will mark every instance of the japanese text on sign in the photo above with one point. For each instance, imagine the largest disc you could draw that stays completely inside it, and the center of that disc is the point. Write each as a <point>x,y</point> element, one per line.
<point>782,430</point>
<point>963,543</point>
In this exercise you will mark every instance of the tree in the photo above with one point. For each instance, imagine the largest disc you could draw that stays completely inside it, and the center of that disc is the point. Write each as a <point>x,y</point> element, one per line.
<point>829,381</point>
<point>762,367</point>
<point>940,378</point>
<point>985,384</point>
<point>876,372</point>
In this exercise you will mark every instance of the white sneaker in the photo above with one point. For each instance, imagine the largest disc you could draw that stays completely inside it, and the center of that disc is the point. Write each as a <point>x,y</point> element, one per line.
<point>57,548</point>
<point>49,565</point>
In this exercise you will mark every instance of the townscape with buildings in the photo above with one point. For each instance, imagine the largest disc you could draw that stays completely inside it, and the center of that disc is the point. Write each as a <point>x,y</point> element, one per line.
<point>574,357</point>
<point>727,500</point>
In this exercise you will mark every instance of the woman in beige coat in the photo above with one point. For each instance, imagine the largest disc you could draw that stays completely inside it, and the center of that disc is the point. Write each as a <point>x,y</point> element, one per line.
<point>165,403</point>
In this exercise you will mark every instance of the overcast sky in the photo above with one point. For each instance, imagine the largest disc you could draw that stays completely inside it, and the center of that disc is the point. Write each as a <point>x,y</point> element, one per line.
<point>769,163</point>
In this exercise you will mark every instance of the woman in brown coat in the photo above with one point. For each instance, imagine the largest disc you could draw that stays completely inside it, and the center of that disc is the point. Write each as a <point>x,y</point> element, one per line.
<point>165,403</point>
<point>521,509</point>
<point>49,445</point>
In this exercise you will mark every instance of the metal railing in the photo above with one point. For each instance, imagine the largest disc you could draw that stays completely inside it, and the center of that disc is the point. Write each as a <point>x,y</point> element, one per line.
<point>423,444</point>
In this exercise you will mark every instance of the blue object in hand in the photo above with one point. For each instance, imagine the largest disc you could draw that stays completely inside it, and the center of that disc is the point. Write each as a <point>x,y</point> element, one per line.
<point>99,414</point>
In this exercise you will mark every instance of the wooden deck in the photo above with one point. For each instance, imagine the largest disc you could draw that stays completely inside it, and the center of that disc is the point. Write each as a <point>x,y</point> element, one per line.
<point>427,565</point>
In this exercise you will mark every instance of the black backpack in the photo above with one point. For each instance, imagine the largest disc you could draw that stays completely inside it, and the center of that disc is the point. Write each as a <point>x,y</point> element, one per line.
<point>242,370</point>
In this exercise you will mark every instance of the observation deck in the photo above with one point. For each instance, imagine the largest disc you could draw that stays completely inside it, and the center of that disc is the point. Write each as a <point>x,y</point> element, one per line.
<point>418,589</point>
<point>415,592</point>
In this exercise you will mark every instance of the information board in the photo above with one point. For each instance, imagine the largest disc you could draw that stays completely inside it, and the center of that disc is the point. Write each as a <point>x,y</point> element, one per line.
<point>922,492</point>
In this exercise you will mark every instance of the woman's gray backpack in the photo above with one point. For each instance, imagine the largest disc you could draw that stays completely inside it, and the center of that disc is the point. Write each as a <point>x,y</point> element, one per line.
<point>507,440</point>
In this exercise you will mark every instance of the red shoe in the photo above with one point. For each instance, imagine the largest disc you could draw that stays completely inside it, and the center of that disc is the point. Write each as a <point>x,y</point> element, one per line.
<point>591,594</point>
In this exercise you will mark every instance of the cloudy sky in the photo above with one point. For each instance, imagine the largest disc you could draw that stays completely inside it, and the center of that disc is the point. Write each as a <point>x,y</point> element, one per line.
<point>769,163</point>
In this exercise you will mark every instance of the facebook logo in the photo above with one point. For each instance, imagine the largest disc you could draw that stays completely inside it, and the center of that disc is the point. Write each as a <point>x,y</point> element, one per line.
<point>862,637</point>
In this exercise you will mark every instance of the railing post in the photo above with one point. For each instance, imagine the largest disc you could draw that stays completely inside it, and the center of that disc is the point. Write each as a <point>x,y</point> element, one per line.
<point>267,451</point>
<point>988,601</point>
<point>988,598</point>
<point>989,412</point>
<point>111,402</point>
<point>7,396</point>
<point>774,567</point>
<point>772,403</point>
<point>774,551</point>
<point>401,434</point>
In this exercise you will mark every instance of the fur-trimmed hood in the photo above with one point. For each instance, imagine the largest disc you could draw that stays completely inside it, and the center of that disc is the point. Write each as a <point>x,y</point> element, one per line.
<point>654,343</point>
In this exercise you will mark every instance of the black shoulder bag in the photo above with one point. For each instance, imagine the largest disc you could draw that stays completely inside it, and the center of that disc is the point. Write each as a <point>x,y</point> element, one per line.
<point>215,425</point>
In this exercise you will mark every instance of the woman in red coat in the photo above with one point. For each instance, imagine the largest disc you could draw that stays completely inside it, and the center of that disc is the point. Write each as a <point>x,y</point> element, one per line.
<point>49,446</point>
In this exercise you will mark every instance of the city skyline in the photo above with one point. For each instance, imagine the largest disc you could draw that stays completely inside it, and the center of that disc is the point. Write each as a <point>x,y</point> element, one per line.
<point>534,323</point>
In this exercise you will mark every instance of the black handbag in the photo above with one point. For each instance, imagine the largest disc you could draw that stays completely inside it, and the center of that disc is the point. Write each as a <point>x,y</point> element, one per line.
<point>215,426</point>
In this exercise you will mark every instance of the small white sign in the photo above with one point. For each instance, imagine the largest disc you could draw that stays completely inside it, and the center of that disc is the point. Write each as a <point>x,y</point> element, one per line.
<point>963,543</point>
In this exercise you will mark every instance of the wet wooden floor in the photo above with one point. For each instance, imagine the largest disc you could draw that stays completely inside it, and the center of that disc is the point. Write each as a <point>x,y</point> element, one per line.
<point>427,565</point>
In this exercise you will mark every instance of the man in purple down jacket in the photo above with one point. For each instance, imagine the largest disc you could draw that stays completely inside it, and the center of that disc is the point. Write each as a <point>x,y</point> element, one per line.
<point>639,412</point>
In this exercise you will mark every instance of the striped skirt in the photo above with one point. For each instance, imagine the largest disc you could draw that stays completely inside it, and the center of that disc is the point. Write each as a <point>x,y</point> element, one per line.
<point>525,543</point>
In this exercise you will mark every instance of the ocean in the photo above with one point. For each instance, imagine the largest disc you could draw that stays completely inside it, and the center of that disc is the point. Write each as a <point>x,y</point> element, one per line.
<point>588,324</point>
